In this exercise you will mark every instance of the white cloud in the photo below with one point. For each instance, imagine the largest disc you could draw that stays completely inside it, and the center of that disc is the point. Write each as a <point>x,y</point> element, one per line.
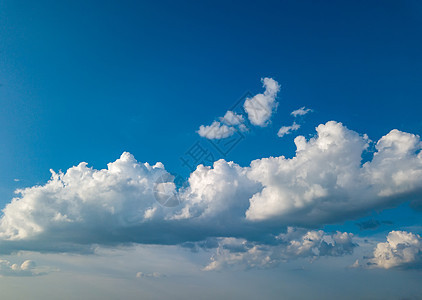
<point>259,110</point>
<point>288,129</point>
<point>324,183</point>
<point>402,249</point>
<point>27,268</point>
<point>296,243</point>
<point>83,204</point>
<point>216,131</point>
<point>228,126</point>
<point>232,118</point>
<point>301,111</point>
<point>261,107</point>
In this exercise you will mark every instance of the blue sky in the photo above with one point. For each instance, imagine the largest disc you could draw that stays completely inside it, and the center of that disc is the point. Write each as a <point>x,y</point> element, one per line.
<point>88,80</point>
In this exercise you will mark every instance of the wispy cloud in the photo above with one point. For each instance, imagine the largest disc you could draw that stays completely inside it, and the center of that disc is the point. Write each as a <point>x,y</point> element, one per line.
<point>301,111</point>
<point>288,129</point>
<point>149,275</point>
<point>372,224</point>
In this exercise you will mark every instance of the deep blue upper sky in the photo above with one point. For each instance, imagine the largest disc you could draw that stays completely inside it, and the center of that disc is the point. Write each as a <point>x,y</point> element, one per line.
<point>86,81</point>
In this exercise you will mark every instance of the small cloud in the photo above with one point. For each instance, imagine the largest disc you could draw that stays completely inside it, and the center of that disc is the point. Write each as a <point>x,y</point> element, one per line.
<point>372,224</point>
<point>150,275</point>
<point>16,180</point>
<point>301,111</point>
<point>261,107</point>
<point>27,268</point>
<point>284,130</point>
<point>228,125</point>
<point>356,264</point>
<point>216,131</point>
<point>258,108</point>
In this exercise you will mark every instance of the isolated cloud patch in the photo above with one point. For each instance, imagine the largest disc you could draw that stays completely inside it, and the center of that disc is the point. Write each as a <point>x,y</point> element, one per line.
<point>296,243</point>
<point>216,131</point>
<point>402,250</point>
<point>149,275</point>
<point>230,123</point>
<point>325,182</point>
<point>372,224</point>
<point>27,268</point>
<point>259,110</point>
<point>301,111</point>
<point>261,107</point>
<point>284,130</point>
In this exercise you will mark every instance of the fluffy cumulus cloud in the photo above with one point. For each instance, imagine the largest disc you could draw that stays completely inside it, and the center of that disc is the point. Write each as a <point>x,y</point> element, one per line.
<point>261,107</point>
<point>295,243</point>
<point>83,205</point>
<point>216,131</point>
<point>288,129</point>
<point>225,128</point>
<point>325,182</point>
<point>402,250</point>
<point>301,111</point>
<point>26,268</point>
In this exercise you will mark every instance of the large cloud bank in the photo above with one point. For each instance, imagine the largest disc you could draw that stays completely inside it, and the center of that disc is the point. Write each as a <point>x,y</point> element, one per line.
<point>325,182</point>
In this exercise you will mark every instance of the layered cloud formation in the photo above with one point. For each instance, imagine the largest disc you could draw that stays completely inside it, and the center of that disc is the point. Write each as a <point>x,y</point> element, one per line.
<point>296,243</point>
<point>325,182</point>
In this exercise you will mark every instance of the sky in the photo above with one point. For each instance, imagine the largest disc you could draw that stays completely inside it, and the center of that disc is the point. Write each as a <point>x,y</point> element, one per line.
<point>210,149</point>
